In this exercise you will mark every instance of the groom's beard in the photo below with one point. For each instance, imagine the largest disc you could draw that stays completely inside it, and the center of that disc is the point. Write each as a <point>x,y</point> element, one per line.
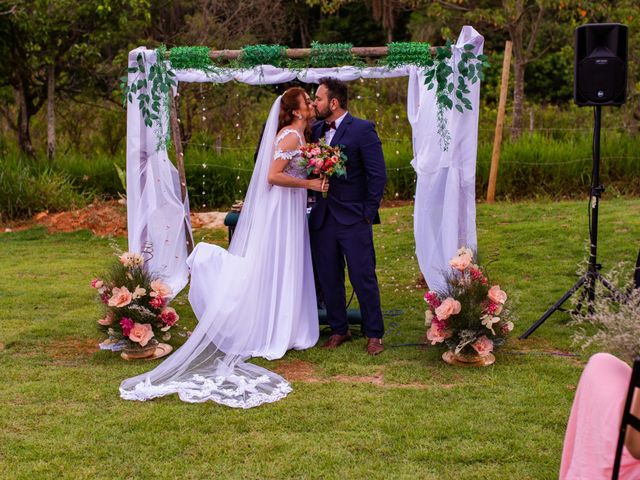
<point>322,114</point>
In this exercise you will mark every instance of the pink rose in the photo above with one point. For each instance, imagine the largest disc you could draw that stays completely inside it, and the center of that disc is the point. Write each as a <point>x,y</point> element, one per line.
<point>126,324</point>
<point>169,316</point>
<point>448,307</point>
<point>141,333</point>
<point>107,320</point>
<point>483,346</point>
<point>461,262</point>
<point>160,289</point>
<point>120,297</point>
<point>496,295</point>
<point>315,151</point>
<point>96,283</point>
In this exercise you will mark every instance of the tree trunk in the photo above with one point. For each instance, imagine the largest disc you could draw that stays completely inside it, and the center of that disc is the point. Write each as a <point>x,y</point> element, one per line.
<point>518,98</point>
<point>24,137</point>
<point>51,116</point>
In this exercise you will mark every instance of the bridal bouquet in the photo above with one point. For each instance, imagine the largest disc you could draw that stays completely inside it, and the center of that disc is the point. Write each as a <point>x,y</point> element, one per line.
<point>136,304</point>
<point>469,315</point>
<point>323,160</point>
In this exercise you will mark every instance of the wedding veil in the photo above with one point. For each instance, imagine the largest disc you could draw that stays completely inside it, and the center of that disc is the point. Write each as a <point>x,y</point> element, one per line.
<point>211,364</point>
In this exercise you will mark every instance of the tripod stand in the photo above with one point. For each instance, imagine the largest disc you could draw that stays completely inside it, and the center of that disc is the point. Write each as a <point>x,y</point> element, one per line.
<point>589,278</point>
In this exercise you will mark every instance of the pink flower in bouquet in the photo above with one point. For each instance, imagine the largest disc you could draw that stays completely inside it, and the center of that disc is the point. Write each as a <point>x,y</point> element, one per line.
<point>141,333</point>
<point>476,273</point>
<point>126,324</point>
<point>315,151</point>
<point>436,335</point>
<point>157,303</point>
<point>496,295</point>
<point>130,259</point>
<point>120,297</point>
<point>139,292</point>
<point>493,308</point>
<point>461,262</point>
<point>484,346</point>
<point>104,298</point>
<point>432,299</point>
<point>107,320</point>
<point>448,307</point>
<point>160,289</point>
<point>169,316</point>
<point>96,283</point>
<point>506,327</point>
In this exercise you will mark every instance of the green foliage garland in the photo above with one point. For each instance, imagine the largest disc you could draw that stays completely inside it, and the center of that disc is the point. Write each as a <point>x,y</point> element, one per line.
<point>191,57</point>
<point>407,53</point>
<point>325,55</point>
<point>438,69</point>
<point>253,55</point>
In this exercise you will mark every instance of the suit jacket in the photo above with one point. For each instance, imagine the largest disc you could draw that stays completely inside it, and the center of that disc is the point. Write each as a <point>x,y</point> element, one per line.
<point>357,196</point>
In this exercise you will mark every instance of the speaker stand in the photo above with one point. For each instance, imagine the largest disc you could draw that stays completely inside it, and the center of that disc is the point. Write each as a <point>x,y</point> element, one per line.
<point>589,278</point>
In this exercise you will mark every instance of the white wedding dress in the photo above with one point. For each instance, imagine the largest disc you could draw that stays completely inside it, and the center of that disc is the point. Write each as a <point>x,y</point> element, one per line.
<point>255,300</point>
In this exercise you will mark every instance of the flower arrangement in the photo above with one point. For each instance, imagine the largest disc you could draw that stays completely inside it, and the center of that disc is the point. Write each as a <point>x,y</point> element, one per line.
<point>136,304</point>
<point>469,315</point>
<point>323,160</point>
<point>612,322</point>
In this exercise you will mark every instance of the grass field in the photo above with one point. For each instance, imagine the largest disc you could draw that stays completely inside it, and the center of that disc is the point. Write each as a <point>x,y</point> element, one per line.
<point>403,414</point>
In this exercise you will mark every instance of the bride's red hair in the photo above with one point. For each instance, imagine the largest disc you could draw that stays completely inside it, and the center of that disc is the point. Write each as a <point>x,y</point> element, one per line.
<point>289,102</point>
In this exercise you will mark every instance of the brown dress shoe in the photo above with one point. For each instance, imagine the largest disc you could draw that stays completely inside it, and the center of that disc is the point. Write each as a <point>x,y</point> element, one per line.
<point>336,340</point>
<point>374,346</point>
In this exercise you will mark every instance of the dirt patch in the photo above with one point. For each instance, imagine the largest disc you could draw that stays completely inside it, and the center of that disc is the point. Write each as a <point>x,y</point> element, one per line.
<point>72,348</point>
<point>109,218</point>
<point>297,371</point>
<point>375,379</point>
<point>104,219</point>
<point>300,371</point>
<point>208,219</point>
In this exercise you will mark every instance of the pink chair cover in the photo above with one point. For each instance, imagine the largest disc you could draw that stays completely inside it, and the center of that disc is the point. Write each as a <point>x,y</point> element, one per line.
<point>592,433</point>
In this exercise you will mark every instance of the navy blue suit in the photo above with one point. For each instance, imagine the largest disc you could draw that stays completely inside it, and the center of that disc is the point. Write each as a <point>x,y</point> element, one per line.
<point>341,230</point>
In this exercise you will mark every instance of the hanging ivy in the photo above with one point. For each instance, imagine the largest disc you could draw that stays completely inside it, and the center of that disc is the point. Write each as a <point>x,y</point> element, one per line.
<point>151,91</point>
<point>439,73</point>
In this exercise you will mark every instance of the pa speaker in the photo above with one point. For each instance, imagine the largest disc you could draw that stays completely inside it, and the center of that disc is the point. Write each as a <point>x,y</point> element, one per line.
<point>600,66</point>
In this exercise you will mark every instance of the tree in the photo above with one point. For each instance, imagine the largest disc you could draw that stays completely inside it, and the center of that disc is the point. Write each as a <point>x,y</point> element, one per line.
<point>62,48</point>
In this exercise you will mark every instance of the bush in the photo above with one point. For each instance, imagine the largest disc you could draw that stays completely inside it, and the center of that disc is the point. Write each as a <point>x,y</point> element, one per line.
<point>25,190</point>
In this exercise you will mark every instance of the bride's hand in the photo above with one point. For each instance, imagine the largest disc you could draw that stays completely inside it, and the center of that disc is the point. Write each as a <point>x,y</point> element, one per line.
<point>318,185</point>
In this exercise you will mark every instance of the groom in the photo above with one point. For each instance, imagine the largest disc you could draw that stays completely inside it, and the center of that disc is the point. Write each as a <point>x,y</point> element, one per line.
<point>340,224</point>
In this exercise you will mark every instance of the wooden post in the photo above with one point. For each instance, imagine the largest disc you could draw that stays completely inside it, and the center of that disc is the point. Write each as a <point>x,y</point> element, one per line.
<point>497,140</point>
<point>177,142</point>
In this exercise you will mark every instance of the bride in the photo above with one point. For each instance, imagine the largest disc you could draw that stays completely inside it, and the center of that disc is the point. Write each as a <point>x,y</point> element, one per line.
<point>258,298</point>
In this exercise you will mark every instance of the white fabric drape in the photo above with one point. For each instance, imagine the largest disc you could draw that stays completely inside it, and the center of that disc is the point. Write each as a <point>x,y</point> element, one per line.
<point>445,211</point>
<point>444,217</point>
<point>158,219</point>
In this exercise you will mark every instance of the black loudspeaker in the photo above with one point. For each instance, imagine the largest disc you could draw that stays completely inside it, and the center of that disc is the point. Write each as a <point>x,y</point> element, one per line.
<point>600,66</point>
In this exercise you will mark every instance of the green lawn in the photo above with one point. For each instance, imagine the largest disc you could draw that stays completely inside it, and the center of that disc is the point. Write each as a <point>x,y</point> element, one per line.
<point>404,414</point>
